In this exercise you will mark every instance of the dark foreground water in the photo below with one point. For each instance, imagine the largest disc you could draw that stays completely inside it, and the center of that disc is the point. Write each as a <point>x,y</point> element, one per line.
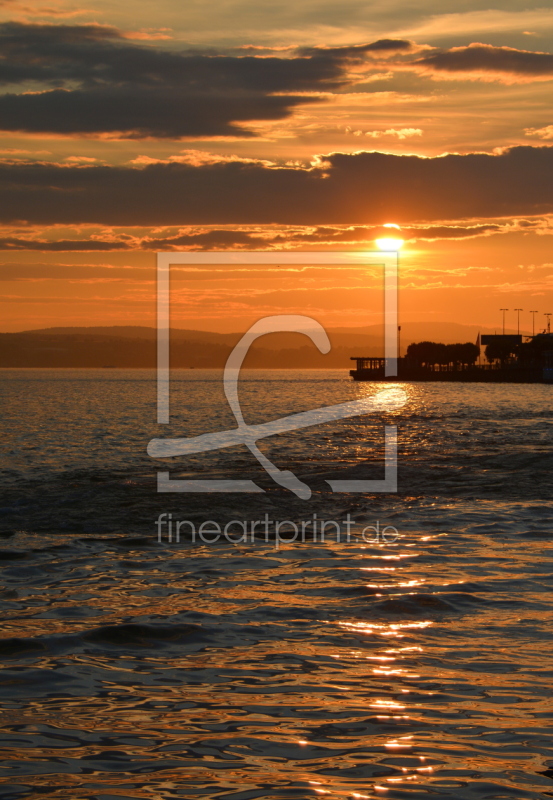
<point>420,667</point>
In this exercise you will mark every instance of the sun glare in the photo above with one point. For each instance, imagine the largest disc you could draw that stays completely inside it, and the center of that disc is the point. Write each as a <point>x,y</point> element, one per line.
<point>389,243</point>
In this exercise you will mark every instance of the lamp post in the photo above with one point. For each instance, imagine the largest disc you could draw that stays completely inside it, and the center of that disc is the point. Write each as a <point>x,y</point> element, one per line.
<point>533,322</point>
<point>548,315</point>
<point>518,310</point>
<point>504,310</point>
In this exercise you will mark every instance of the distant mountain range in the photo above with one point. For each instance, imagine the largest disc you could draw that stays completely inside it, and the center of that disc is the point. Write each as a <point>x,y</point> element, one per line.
<point>135,346</point>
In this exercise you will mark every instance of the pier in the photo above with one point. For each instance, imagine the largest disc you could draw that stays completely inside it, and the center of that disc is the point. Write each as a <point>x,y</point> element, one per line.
<point>516,362</point>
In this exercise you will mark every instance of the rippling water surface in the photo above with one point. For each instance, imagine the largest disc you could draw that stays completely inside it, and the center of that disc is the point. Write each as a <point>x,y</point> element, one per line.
<point>135,668</point>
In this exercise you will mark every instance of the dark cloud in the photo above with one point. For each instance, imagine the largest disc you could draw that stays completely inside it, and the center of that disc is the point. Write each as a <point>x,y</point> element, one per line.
<point>450,231</point>
<point>209,240</point>
<point>93,81</point>
<point>138,113</point>
<point>332,235</point>
<point>90,245</point>
<point>98,56</point>
<point>355,51</point>
<point>258,238</point>
<point>362,188</point>
<point>205,240</point>
<point>488,59</point>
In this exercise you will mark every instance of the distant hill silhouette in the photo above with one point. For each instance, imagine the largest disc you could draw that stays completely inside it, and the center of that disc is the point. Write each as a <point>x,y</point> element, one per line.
<point>137,332</point>
<point>93,350</point>
<point>129,346</point>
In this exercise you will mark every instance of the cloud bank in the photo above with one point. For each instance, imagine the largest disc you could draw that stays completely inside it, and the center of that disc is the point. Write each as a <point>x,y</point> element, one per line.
<point>90,79</point>
<point>93,80</point>
<point>360,188</point>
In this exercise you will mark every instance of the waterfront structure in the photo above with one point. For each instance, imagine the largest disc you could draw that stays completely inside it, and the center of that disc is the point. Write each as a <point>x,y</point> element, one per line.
<point>510,360</point>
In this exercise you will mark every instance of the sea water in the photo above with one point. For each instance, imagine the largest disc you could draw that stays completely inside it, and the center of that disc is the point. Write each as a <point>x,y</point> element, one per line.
<point>351,666</point>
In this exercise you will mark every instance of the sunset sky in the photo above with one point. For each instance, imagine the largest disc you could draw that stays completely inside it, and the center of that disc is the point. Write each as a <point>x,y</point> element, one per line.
<point>130,129</point>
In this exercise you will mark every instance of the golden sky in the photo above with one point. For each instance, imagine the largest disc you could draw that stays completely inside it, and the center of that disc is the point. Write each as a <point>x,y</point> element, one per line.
<point>126,130</point>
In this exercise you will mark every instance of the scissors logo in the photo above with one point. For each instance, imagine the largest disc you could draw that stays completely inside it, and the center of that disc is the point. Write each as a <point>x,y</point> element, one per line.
<point>248,435</point>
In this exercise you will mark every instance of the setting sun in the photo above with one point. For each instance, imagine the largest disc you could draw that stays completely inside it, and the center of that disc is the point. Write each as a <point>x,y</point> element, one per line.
<point>389,243</point>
